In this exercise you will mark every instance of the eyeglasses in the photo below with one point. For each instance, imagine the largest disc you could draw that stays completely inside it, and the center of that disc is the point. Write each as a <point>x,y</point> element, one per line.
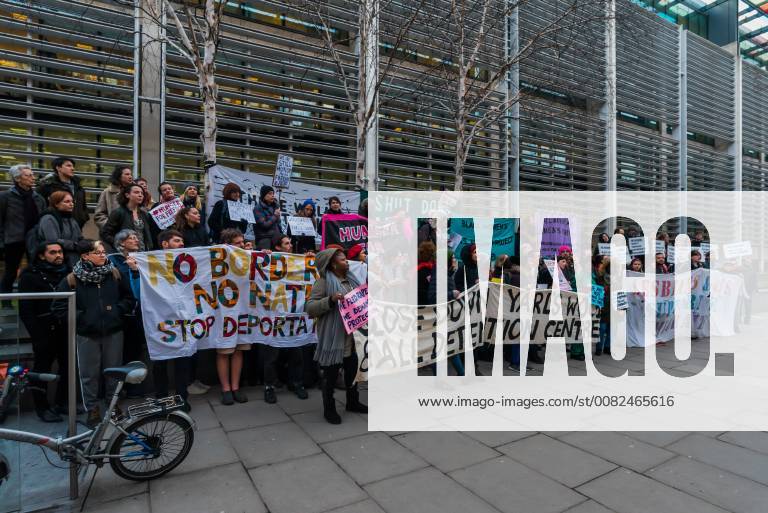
<point>98,252</point>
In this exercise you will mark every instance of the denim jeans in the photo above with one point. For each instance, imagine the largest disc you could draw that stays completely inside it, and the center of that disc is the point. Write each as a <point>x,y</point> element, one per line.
<point>604,344</point>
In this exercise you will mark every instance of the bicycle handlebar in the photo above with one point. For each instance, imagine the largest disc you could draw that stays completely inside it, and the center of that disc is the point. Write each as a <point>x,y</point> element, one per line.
<point>39,376</point>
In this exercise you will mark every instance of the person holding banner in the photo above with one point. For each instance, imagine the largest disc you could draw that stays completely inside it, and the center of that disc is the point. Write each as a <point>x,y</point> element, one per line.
<point>335,348</point>
<point>129,215</point>
<point>220,219</point>
<point>267,215</point>
<point>305,243</point>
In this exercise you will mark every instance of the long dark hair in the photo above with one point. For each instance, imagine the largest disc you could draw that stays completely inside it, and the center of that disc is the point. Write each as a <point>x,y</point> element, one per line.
<point>181,223</point>
<point>122,199</point>
<point>114,178</point>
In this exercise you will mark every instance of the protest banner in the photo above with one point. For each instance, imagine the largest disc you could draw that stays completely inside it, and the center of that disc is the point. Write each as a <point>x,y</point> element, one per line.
<point>671,254</point>
<point>556,232</point>
<point>503,242</point>
<point>164,214</point>
<point>598,295</point>
<point>346,230</point>
<point>737,249</point>
<point>239,210</point>
<point>301,226</point>
<point>604,248</point>
<point>283,172</point>
<point>661,247</point>
<point>290,199</point>
<point>354,308</point>
<point>221,296</point>
<point>637,246</point>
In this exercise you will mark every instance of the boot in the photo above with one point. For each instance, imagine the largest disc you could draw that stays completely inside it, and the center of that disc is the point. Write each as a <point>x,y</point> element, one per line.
<point>353,401</point>
<point>329,407</point>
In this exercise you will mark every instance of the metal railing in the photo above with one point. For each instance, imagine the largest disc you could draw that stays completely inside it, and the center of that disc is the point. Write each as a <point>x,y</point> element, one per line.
<point>72,360</point>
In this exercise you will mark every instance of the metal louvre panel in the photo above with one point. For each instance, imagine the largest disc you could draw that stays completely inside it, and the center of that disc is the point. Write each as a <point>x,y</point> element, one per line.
<point>754,174</point>
<point>711,72</point>
<point>754,108</point>
<point>646,64</point>
<point>579,68</point>
<point>278,93</point>
<point>560,148</point>
<point>709,169</point>
<point>66,83</point>
<point>646,160</point>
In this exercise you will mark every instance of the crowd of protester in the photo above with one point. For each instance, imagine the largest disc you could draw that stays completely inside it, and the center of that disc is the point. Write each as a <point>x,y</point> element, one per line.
<point>462,273</point>
<point>44,225</point>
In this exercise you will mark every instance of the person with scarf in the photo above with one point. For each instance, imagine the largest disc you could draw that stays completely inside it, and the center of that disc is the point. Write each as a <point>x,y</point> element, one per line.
<point>102,299</point>
<point>303,244</point>
<point>267,214</point>
<point>48,334</point>
<point>130,216</point>
<point>122,176</point>
<point>192,199</point>
<point>20,209</point>
<point>335,348</point>
<point>58,224</point>
<point>189,224</point>
<point>219,219</point>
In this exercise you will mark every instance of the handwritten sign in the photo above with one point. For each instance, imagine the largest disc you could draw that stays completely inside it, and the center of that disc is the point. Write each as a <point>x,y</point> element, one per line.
<point>660,247</point>
<point>622,301</point>
<point>637,246</point>
<point>283,172</point>
<point>164,214</point>
<point>454,240</point>
<point>671,254</point>
<point>598,295</point>
<point>301,226</point>
<point>737,249</point>
<point>354,309</point>
<point>705,247</point>
<point>603,248</point>
<point>242,211</point>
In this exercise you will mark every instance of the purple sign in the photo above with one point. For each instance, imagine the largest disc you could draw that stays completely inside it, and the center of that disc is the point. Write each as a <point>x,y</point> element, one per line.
<point>555,233</point>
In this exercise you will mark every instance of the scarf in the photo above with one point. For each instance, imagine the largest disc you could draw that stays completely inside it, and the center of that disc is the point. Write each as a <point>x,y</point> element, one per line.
<point>330,349</point>
<point>87,272</point>
<point>31,214</point>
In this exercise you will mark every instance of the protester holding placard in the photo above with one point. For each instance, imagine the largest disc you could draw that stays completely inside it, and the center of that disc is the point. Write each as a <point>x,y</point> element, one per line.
<point>58,224</point>
<point>696,262</point>
<point>305,243</point>
<point>601,277</point>
<point>189,224</point>
<point>335,348</point>
<point>267,215</point>
<point>129,215</point>
<point>220,219</point>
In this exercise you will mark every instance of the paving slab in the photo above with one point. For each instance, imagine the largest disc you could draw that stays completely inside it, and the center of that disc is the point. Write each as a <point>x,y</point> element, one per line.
<point>657,438</point>
<point>248,415</point>
<point>109,487</point>
<point>271,444</point>
<point>740,461</point>
<point>204,416</point>
<point>366,506</point>
<point>514,488</point>
<point>373,457</point>
<point>625,491</point>
<point>560,461</point>
<point>757,441</point>
<point>426,491</point>
<point>497,438</point>
<point>225,488</point>
<point>291,405</point>
<point>619,449</point>
<point>714,485</point>
<point>447,450</point>
<point>134,504</point>
<point>211,448</point>
<point>305,485</point>
<point>589,506</point>
<point>321,431</point>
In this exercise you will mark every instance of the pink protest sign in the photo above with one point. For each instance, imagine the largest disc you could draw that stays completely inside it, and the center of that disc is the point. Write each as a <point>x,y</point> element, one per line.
<point>354,308</point>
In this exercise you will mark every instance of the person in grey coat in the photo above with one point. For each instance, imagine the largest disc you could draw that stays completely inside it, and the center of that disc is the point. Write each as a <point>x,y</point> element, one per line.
<point>20,208</point>
<point>58,224</point>
<point>335,348</point>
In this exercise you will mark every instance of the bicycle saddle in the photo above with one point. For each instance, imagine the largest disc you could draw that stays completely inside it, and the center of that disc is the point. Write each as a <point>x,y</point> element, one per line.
<point>132,372</point>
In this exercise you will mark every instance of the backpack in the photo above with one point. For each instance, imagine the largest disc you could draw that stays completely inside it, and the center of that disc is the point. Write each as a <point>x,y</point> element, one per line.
<point>32,239</point>
<point>72,281</point>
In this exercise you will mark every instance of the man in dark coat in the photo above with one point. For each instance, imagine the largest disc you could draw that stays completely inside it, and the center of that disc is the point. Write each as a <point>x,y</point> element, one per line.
<point>20,210</point>
<point>63,179</point>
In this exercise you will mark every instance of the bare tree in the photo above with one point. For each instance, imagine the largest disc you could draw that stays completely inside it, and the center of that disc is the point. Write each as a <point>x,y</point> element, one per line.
<point>362,75</point>
<point>470,79</point>
<point>193,29</point>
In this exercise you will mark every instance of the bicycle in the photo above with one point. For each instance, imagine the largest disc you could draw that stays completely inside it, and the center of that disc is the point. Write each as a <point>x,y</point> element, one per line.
<point>149,440</point>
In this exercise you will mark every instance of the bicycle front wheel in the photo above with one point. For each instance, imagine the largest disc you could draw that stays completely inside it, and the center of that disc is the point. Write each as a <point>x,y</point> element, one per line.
<point>154,445</point>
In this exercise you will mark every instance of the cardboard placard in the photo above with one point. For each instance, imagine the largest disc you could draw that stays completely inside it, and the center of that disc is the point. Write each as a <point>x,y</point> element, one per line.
<point>242,211</point>
<point>637,246</point>
<point>354,308</point>
<point>283,172</point>
<point>164,214</point>
<point>301,226</point>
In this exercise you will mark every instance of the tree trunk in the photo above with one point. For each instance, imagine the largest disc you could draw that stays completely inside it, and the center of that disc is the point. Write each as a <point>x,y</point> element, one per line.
<point>209,91</point>
<point>461,126</point>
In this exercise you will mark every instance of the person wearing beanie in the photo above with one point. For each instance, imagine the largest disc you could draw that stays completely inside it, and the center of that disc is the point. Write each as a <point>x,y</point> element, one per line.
<point>356,253</point>
<point>192,199</point>
<point>267,214</point>
<point>303,244</point>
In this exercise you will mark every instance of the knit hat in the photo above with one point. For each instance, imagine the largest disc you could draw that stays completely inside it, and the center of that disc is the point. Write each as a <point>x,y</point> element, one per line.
<point>308,202</point>
<point>265,189</point>
<point>564,249</point>
<point>354,251</point>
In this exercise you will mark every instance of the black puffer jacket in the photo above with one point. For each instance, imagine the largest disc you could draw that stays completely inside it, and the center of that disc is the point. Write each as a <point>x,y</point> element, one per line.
<point>36,313</point>
<point>12,219</point>
<point>100,307</point>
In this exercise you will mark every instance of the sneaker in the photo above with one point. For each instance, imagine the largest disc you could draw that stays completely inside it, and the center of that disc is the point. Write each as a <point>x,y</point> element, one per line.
<point>227,399</point>
<point>94,418</point>
<point>239,396</point>
<point>197,388</point>
<point>269,395</point>
<point>300,392</point>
